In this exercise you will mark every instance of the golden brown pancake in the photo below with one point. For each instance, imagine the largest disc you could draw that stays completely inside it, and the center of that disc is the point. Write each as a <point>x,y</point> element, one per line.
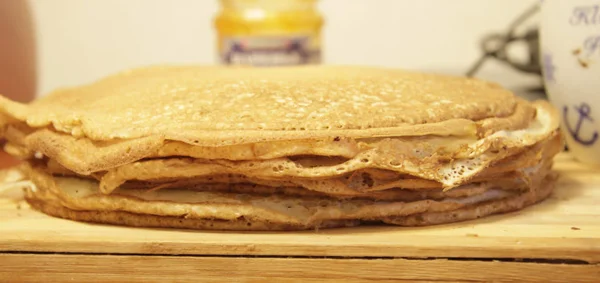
<point>281,148</point>
<point>289,211</point>
<point>223,105</point>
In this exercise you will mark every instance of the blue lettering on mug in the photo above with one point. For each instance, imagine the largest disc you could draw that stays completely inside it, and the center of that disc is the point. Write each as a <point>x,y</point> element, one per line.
<point>585,15</point>
<point>584,112</point>
<point>591,44</point>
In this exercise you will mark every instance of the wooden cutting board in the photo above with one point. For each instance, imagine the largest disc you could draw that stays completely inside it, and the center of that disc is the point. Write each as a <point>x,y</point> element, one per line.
<point>555,241</point>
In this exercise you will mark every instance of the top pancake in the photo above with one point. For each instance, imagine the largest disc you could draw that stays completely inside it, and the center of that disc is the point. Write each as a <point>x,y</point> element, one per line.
<point>216,106</point>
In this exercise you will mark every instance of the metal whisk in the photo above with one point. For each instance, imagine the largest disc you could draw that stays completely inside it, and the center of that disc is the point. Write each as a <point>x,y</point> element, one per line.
<point>495,46</point>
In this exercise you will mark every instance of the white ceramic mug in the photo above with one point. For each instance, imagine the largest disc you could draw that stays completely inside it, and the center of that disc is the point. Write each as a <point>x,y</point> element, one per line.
<point>570,51</point>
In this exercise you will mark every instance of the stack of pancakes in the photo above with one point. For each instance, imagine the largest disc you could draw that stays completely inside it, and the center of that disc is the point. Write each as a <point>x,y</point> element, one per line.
<point>281,148</point>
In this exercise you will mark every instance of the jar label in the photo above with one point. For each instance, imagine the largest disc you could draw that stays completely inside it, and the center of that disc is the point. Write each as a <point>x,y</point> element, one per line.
<point>269,51</point>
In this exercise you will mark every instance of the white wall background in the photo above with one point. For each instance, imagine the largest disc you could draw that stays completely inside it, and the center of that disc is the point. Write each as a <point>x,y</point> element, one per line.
<point>82,40</point>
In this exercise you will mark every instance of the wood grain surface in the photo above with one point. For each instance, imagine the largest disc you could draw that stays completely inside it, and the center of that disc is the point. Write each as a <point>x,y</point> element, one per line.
<point>129,268</point>
<point>561,234</point>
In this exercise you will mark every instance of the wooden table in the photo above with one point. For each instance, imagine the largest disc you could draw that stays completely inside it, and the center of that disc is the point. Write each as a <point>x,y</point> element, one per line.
<point>555,241</point>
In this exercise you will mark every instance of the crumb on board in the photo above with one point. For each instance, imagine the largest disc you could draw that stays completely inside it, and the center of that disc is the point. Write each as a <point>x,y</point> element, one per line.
<point>472,235</point>
<point>575,228</point>
<point>582,63</point>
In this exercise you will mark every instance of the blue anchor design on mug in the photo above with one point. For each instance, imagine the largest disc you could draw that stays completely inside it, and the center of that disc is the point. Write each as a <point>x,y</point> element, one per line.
<point>584,112</point>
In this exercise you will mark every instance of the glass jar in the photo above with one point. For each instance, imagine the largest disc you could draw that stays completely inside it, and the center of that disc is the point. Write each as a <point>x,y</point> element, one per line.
<point>269,32</point>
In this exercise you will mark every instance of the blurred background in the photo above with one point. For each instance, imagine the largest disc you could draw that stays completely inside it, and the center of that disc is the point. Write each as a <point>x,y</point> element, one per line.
<point>79,41</point>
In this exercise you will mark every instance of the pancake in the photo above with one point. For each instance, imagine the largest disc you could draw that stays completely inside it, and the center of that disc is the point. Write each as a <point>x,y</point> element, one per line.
<point>170,172</point>
<point>285,148</point>
<point>115,217</point>
<point>78,195</point>
<point>83,154</point>
<point>194,104</point>
<point>408,156</point>
<point>404,189</point>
